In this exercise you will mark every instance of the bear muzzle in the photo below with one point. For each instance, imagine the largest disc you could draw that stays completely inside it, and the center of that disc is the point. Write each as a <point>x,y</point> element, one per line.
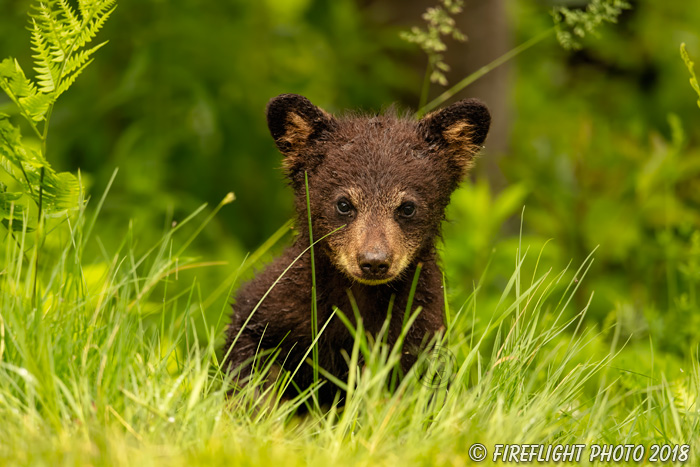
<point>374,264</point>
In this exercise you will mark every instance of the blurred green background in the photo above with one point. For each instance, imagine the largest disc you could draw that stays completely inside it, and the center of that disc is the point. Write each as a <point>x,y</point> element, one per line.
<point>600,145</point>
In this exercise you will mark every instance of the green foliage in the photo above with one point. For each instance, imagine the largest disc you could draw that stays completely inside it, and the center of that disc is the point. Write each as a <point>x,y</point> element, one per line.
<point>104,372</point>
<point>58,192</point>
<point>59,38</point>
<point>610,160</point>
<point>185,127</point>
<point>578,24</point>
<point>691,70</point>
<point>440,22</point>
<point>573,25</point>
<point>115,362</point>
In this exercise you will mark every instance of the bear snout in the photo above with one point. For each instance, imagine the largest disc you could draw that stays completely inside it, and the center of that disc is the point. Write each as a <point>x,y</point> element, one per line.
<point>374,264</point>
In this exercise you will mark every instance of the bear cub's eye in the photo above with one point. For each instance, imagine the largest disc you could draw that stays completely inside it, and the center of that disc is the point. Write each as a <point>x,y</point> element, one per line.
<point>407,209</point>
<point>343,206</point>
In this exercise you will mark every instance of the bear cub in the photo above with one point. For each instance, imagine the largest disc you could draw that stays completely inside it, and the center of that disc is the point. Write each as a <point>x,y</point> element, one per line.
<point>381,185</point>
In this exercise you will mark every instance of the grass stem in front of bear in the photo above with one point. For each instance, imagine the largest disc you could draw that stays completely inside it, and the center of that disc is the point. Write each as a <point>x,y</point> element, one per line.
<point>314,305</point>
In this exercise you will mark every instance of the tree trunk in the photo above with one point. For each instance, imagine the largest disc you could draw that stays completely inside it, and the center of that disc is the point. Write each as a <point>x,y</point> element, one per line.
<point>486,25</point>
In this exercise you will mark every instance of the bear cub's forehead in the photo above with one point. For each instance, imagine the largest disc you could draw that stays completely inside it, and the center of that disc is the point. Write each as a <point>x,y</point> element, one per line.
<point>387,140</point>
<point>379,156</point>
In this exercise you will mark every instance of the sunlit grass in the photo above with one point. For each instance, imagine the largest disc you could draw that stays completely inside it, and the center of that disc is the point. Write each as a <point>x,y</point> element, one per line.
<point>89,376</point>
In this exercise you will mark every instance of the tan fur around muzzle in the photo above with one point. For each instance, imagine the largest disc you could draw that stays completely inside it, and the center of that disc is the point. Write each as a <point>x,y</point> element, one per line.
<point>373,232</point>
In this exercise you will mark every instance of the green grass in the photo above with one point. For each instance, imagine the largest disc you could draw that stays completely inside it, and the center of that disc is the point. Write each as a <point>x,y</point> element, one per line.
<point>119,365</point>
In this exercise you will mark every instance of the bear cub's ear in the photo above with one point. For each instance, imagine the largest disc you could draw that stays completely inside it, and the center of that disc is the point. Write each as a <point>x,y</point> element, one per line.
<point>295,123</point>
<point>459,129</point>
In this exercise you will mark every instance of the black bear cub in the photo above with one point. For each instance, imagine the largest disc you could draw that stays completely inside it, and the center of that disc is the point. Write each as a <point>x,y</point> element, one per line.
<point>383,182</point>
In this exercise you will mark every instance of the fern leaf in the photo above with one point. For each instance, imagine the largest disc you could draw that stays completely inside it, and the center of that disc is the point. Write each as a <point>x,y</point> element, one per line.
<point>9,140</point>
<point>75,65</point>
<point>85,6</point>
<point>69,14</point>
<point>61,193</point>
<point>78,59</point>
<point>59,37</point>
<point>68,80</point>
<point>13,155</point>
<point>17,225</point>
<point>52,29</point>
<point>23,91</point>
<point>10,208</point>
<point>13,81</point>
<point>6,165</point>
<point>47,71</point>
<point>97,21</point>
<point>37,105</point>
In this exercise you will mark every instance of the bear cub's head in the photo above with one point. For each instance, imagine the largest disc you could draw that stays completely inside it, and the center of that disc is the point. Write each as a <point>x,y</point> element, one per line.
<point>387,179</point>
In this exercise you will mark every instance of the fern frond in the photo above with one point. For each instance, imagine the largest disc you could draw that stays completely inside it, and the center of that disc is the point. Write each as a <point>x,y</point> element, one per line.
<point>44,61</point>
<point>5,163</point>
<point>53,30</point>
<point>68,80</point>
<point>96,21</point>
<point>13,155</point>
<point>37,105</point>
<point>9,139</point>
<point>78,59</point>
<point>69,14</point>
<point>23,91</point>
<point>61,193</point>
<point>13,81</point>
<point>59,39</point>
<point>85,6</point>
<point>12,148</point>
<point>9,206</point>
<point>74,66</point>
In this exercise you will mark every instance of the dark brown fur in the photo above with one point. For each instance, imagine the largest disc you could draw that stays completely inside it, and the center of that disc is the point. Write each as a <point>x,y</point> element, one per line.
<point>378,165</point>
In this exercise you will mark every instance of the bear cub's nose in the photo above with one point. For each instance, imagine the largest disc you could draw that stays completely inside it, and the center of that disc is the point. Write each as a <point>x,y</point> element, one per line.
<point>374,263</point>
